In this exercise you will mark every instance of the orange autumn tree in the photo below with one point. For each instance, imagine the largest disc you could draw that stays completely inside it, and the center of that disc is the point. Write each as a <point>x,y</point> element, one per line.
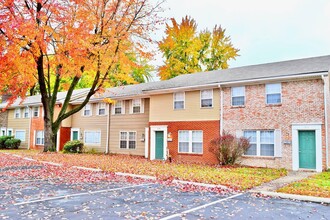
<point>187,51</point>
<point>55,43</point>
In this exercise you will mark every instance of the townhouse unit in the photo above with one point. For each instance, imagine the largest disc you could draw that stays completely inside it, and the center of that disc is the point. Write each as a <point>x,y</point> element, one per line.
<point>281,107</point>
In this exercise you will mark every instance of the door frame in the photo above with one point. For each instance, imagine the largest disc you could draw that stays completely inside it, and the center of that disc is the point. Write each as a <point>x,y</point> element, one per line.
<point>153,130</point>
<point>317,127</point>
<point>71,133</point>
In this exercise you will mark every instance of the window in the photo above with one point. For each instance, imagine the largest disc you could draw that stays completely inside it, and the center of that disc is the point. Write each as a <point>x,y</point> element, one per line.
<point>101,109</point>
<point>87,110</point>
<point>238,96</point>
<point>178,98</point>
<point>26,112</point>
<point>262,143</point>
<point>3,131</point>
<point>191,142</point>
<point>127,140</point>
<point>36,111</point>
<point>118,109</point>
<point>207,98</point>
<point>17,113</point>
<point>273,93</point>
<point>40,138</point>
<point>19,134</point>
<point>9,132</point>
<point>92,137</point>
<point>136,105</point>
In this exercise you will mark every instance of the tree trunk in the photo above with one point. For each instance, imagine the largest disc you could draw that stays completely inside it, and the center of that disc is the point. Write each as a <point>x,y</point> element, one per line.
<point>49,144</point>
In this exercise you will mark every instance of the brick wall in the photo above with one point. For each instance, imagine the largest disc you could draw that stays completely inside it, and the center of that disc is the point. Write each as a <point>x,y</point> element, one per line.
<point>302,102</point>
<point>210,131</point>
<point>3,118</point>
<point>37,124</point>
<point>65,135</point>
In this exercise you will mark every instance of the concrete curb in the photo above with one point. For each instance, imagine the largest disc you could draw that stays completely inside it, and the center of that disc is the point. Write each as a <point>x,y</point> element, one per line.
<point>51,163</point>
<point>136,175</point>
<point>293,196</point>
<point>87,168</point>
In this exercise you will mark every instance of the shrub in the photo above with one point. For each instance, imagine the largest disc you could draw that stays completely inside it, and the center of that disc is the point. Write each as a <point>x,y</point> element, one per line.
<point>229,148</point>
<point>3,139</point>
<point>75,146</point>
<point>12,143</point>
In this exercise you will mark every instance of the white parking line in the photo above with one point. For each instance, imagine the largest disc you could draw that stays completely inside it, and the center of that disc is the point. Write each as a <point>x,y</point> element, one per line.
<point>78,194</point>
<point>200,207</point>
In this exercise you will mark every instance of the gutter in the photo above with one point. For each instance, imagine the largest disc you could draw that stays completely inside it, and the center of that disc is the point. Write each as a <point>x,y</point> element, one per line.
<point>228,83</point>
<point>30,125</point>
<point>108,129</point>
<point>326,120</point>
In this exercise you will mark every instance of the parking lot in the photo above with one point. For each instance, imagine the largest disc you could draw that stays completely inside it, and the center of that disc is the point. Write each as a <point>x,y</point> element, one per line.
<point>33,190</point>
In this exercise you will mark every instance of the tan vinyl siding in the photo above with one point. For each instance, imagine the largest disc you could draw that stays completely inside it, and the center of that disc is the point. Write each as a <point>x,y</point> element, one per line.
<point>19,124</point>
<point>91,123</point>
<point>129,122</point>
<point>161,108</point>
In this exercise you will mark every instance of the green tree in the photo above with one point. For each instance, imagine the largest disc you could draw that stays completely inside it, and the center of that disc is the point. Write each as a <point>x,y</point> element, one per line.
<point>187,51</point>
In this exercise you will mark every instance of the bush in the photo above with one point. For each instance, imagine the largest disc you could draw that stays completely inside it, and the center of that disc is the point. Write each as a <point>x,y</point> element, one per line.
<point>3,140</point>
<point>75,146</point>
<point>229,148</point>
<point>12,143</point>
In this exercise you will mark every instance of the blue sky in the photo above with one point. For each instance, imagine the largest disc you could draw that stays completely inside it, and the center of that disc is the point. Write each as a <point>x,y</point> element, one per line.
<point>264,30</point>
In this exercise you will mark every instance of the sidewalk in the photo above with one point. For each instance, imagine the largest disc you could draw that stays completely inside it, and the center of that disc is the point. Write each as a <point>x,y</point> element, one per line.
<point>269,189</point>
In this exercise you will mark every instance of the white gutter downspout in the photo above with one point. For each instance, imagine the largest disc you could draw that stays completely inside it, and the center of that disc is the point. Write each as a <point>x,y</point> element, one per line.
<point>221,109</point>
<point>30,123</point>
<point>326,120</point>
<point>108,124</point>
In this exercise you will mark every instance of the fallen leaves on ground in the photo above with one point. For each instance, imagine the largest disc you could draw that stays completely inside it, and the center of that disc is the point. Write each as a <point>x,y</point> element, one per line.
<point>237,178</point>
<point>317,185</point>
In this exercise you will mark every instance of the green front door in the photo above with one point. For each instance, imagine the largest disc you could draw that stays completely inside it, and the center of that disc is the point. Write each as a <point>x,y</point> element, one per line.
<point>307,150</point>
<point>159,145</point>
<point>74,135</point>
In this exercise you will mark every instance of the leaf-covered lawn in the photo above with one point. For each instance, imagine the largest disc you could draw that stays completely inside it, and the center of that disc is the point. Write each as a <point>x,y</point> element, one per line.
<point>238,178</point>
<point>317,185</point>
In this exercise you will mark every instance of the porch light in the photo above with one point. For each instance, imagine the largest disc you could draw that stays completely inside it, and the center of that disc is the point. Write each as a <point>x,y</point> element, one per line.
<point>169,136</point>
<point>142,137</point>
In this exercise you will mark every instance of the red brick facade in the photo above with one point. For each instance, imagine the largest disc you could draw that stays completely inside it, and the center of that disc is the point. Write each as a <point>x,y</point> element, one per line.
<point>302,102</point>
<point>65,135</point>
<point>210,131</point>
<point>37,124</point>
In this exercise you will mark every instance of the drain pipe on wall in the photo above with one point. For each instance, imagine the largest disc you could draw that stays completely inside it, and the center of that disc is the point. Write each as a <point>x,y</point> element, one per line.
<point>325,83</point>
<point>221,109</point>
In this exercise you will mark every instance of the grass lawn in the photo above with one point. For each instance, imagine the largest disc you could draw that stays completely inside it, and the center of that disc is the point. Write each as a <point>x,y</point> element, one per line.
<point>317,185</point>
<point>238,178</point>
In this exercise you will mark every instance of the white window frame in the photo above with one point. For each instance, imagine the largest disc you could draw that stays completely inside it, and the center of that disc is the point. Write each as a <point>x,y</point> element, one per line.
<point>273,93</point>
<point>258,143</point>
<point>3,130</point>
<point>127,140</point>
<point>132,106</point>
<point>22,140</point>
<point>232,96</point>
<point>122,107</point>
<point>71,133</point>
<point>207,98</point>
<point>90,106</point>
<point>17,111</point>
<point>12,132</point>
<point>179,100</point>
<point>26,110</point>
<point>33,111</point>
<point>93,143</point>
<point>99,107</point>
<point>190,142</point>
<point>42,138</point>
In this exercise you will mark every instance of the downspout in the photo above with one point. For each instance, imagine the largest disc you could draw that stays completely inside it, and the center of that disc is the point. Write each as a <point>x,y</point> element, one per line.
<point>221,109</point>
<point>108,124</point>
<point>326,121</point>
<point>30,123</point>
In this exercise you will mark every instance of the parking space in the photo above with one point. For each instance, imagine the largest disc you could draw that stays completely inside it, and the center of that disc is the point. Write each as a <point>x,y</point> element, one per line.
<point>31,190</point>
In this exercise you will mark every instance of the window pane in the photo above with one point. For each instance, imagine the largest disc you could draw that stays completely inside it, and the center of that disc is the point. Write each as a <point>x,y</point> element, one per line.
<point>184,147</point>
<point>197,136</point>
<point>123,136</point>
<point>251,135</point>
<point>267,149</point>
<point>20,135</point>
<point>131,144</point>
<point>238,91</point>
<point>273,98</point>
<point>178,104</point>
<point>136,102</point>
<point>136,109</point>
<point>92,137</point>
<point>273,88</point>
<point>197,147</point>
<point>206,94</point>
<point>179,96</point>
<point>252,150</point>
<point>101,111</point>
<point>118,104</point>
<point>118,110</point>
<point>239,100</point>
<point>123,144</point>
<point>267,137</point>
<point>183,136</point>
<point>207,103</point>
<point>132,136</point>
